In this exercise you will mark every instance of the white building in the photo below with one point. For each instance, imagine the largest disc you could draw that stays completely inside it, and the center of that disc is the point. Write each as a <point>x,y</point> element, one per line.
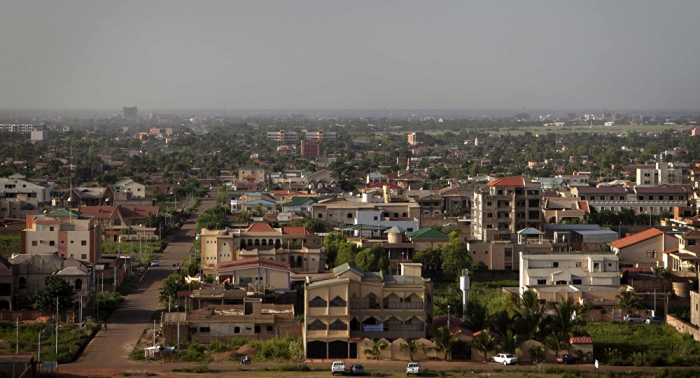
<point>568,269</point>
<point>17,187</point>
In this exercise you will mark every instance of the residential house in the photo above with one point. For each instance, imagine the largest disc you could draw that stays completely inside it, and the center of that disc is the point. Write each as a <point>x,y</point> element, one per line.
<point>256,273</point>
<point>299,204</point>
<point>136,188</point>
<point>251,174</point>
<point>350,304</point>
<point>640,199</point>
<point>65,232</point>
<point>404,215</point>
<point>30,272</point>
<point>644,249</point>
<point>17,187</point>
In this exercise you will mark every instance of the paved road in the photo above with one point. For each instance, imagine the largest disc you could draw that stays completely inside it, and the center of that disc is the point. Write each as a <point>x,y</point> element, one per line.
<point>110,349</point>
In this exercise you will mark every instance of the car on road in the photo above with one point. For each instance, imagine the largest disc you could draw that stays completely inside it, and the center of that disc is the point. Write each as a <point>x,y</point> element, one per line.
<point>567,359</point>
<point>155,263</point>
<point>338,367</point>
<point>655,320</point>
<point>505,359</point>
<point>634,318</point>
<point>357,369</point>
<point>413,368</point>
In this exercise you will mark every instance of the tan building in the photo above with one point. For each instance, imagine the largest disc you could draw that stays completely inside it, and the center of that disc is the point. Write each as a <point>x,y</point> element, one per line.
<point>251,320</point>
<point>504,206</point>
<point>644,249</point>
<point>65,232</point>
<point>320,135</point>
<point>260,273</point>
<point>415,138</point>
<point>251,173</point>
<point>297,246</point>
<point>350,304</point>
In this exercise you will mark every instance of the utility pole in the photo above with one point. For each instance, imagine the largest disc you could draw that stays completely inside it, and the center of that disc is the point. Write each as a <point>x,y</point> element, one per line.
<point>39,351</point>
<point>56,327</point>
<point>17,338</point>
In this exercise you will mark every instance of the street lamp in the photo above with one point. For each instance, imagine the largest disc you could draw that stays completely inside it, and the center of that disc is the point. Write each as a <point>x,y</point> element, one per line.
<point>448,319</point>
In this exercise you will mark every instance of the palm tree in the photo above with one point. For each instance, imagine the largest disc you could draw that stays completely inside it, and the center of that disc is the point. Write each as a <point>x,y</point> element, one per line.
<point>501,322</point>
<point>556,341</point>
<point>444,341</point>
<point>529,314</point>
<point>627,301</point>
<point>412,346</point>
<point>509,341</point>
<point>568,318</point>
<point>485,342</point>
<point>376,350</point>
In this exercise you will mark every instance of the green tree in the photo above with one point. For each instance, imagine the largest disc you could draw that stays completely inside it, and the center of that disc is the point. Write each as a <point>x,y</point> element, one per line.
<point>346,254</point>
<point>332,243</point>
<point>529,314</point>
<point>485,342</point>
<point>373,259</point>
<point>556,341</point>
<point>412,346</point>
<point>170,286</point>
<point>627,301</point>
<point>455,256</point>
<point>56,287</point>
<point>445,340</point>
<point>432,263</point>
<point>376,349</point>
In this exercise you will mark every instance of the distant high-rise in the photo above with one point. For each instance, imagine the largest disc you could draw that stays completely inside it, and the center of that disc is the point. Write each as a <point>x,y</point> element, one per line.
<point>311,148</point>
<point>130,113</point>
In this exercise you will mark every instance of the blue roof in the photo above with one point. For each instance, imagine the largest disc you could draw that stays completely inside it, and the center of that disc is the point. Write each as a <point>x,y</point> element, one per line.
<point>602,231</point>
<point>572,227</point>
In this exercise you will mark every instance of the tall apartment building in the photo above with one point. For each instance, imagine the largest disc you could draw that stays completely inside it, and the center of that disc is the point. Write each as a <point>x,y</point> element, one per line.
<point>320,135</point>
<point>17,127</point>
<point>504,206</point>
<point>350,304</point>
<point>131,113</point>
<point>17,187</point>
<point>39,134</point>
<point>662,173</point>
<point>415,138</point>
<point>281,136</point>
<point>65,232</point>
<point>251,173</point>
<point>311,148</point>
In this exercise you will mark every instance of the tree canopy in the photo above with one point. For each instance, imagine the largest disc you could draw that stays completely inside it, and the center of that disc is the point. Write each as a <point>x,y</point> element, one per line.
<point>56,287</point>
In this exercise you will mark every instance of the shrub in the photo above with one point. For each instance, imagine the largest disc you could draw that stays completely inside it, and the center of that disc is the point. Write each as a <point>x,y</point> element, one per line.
<point>137,355</point>
<point>217,346</point>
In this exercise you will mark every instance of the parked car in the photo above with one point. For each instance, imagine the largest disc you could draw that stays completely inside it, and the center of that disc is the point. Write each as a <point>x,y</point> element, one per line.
<point>413,368</point>
<point>634,318</point>
<point>357,369</point>
<point>338,367</point>
<point>567,359</point>
<point>655,320</point>
<point>505,359</point>
<point>155,263</point>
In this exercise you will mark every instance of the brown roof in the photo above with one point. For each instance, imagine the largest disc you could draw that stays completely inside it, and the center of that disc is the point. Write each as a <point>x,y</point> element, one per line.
<point>602,189</point>
<point>507,181</point>
<point>97,212</point>
<point>659,189</point>
<point>259,227</point>
<point>295,231</point>
<point>581,340</point>
<point>636,238</point>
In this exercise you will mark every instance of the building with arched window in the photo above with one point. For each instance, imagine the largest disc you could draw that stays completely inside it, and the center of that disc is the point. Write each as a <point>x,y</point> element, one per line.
<point>298,247</point>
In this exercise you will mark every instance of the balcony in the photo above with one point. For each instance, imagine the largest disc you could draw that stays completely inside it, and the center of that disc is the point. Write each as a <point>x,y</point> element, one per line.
<point>403,305</point>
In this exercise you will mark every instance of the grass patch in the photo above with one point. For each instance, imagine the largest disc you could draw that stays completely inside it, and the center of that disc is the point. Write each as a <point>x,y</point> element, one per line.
<point>642,345</point>
<point>199,369</point>
<point>70,339</point>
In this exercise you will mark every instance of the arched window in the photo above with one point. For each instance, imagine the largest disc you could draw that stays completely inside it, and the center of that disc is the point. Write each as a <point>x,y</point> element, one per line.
<point>278,243</point>
<point>78,284</point>
<point>264,242</point>
<point>257,242</point>
<point>299,262</point>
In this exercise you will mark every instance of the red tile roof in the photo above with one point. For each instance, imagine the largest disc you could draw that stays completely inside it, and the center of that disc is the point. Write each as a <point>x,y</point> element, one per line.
<point>507,181</point>
<point>259,227</point>
<point>636,238</point>
<point>671,250</point>
<point>295,231</point>
<point>581,340</point>
<point>602,189</point>
<point>659,189</point>
<point>253,262</point>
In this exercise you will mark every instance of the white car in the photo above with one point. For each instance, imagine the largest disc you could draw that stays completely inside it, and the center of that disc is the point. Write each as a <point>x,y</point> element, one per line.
<point>338,367</point>
<point>413,368</point>
<point>505,359</point>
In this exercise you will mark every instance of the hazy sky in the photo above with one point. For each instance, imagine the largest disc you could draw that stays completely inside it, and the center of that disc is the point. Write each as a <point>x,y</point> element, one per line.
<point>350,54</point>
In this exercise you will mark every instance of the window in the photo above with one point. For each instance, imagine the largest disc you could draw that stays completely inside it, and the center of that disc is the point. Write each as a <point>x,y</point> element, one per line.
<point>508,253</point>
<point>320,216</point>
<point>269,328</point>
<point>338,325</point>
<point>349,215</point>
<point>651,254</point>
<point>555,264</point>
<point>316,325</point>
<point>237,330</point>
<point>318,302</point>
<point>33,243</point>
<point>204,329</point>
<point>338,302</point>
<point>596,266</point>
<point>83,256</point>
<point>84,242</point>
<point>52,242</point>
<point>51,228</point>
<point>576,281</point>
<point>22,283</point>
<point>541,282</point>
<point>578,264</point>
<point>257,329</point>
<point>376,218</point>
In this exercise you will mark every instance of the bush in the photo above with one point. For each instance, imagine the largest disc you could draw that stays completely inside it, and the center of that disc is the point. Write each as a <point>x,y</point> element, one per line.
<point>137,355</point>
<point>193,369</point>
<point>217,346</point>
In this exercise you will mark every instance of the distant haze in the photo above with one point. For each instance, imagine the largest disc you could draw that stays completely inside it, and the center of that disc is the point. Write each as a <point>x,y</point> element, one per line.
<point>350,54</point>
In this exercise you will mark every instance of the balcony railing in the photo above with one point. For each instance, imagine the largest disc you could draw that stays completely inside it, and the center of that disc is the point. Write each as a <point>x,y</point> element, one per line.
<point>403,327</point>
<point>387,305</point>
<point>403,305</point>
<point>365,305</point>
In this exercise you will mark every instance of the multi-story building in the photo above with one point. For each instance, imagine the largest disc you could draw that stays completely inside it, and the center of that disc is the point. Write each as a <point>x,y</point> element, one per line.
<point>65,232</point>
<point>311,148</point>
<point>39,134</point>
<point>129,112</point>
<point>281,136</point>
<point>645,249</point>
<point>350,304</point>
<point>640,199</point>
<point>320,135</point>
<point>17,187</point>
<point>415,138</point>
<point>137,189</point>
<point>538,269</point>
<point>251,173</point>
<point>299,247</point>
<point>17,128</point>
<point>504,206</point>
<point>662,173</point>
<point>405,215</point>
